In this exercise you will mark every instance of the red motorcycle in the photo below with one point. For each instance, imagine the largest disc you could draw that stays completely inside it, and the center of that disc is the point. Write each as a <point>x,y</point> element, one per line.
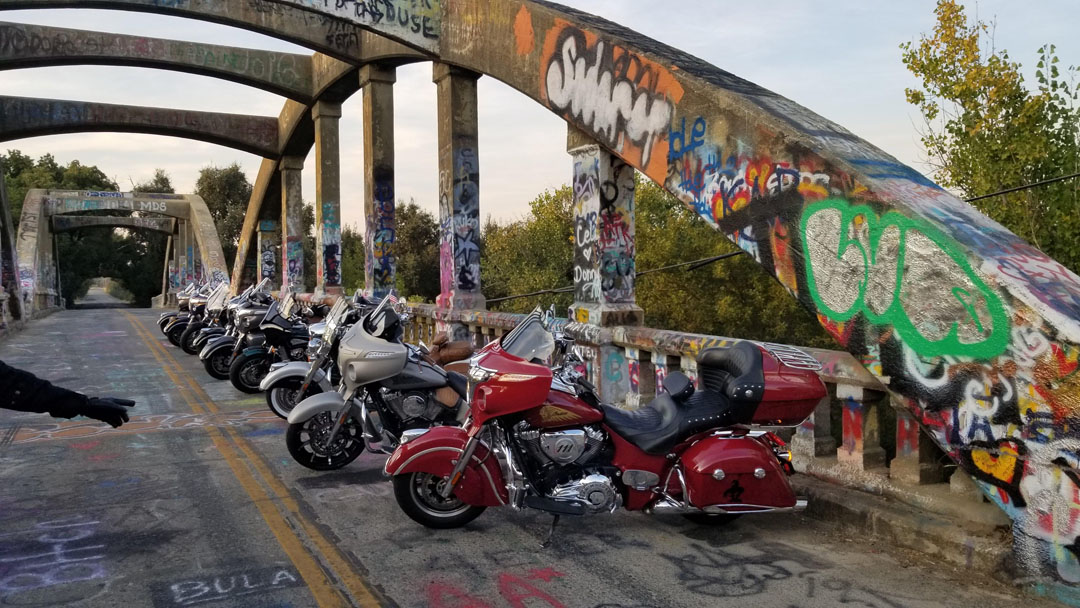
<point>539,437</point>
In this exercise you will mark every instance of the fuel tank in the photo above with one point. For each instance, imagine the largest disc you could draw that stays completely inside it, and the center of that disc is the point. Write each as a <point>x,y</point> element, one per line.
<point>560,410</point>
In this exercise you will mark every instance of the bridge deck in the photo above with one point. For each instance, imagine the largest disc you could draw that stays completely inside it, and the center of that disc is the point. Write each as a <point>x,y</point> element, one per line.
<point>197,501</point>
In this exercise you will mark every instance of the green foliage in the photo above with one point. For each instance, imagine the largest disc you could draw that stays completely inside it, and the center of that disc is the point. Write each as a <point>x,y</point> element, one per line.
<point>986,131</point>
<point>160,184</point>
<point>352,258</point>
<point>24,174</point>
<point>416,245</point>
<point>733,297</point>
<point>227,191</point>
<point>531,254</point>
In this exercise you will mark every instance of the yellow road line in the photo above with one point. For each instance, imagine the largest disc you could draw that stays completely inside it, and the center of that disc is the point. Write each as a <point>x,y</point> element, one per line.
<point>330,552</point>
<point>319,584</point>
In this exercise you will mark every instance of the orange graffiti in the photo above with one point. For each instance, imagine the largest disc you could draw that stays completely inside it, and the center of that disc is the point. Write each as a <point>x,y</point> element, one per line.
<point>647,75</point>
<point>1000,466</point>
<point>781,250</point>
<point>523,31</point>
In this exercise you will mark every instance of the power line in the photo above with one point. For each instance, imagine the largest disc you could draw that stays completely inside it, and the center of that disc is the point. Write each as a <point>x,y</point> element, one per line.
<point>1025,187</point>
<point>692,265</point>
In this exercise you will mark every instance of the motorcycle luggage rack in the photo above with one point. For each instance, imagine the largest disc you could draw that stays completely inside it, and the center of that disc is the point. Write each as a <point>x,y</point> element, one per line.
<point>792,357</point>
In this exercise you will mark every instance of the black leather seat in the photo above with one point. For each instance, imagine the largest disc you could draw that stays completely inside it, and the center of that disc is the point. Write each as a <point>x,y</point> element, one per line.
<point>732,382</point>
<point>734,372</point>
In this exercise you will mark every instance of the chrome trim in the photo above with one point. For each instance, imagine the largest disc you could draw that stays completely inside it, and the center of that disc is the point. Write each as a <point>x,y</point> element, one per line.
<point>410,434</point>
<point>667,505</point>
<point>792,357</point>
<point>514,479</point>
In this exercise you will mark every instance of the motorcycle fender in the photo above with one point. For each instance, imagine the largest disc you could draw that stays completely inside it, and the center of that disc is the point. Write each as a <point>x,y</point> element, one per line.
<point>436,451</point>
<point>315,405</point>
<point>176,323</point>
<point>738,487</point>
<point>221,342</point>
<point>293,369</point>
<point>254,351</point>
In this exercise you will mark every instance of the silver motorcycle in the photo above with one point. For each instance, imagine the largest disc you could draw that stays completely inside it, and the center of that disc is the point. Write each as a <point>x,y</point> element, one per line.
<point>387,387</point>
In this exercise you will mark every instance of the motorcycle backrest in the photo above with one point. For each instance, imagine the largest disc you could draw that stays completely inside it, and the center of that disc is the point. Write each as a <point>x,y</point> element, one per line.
<point>678,385</point>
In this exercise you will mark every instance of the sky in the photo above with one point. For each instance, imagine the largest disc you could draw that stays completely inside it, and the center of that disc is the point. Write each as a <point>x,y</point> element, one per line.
<point>840,58</point>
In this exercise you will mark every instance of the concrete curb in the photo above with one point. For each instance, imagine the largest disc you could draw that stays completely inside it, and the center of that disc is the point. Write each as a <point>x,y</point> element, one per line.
<point>908,527</point>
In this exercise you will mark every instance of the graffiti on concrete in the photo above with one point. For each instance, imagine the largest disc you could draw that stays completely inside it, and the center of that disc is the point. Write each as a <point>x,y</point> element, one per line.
<point>38,45</point>
<point>415,22</point>
<point>459,200</point>
<point>25,117</point>
<point>294,263</point>
<point>331,244</point>
<point>622,99</point>
<point>900,272</point>
<point>380,263</point>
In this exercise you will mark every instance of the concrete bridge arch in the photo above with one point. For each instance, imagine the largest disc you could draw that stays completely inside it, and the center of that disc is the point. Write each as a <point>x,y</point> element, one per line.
<point>973,329</point>
<point>194,251</point>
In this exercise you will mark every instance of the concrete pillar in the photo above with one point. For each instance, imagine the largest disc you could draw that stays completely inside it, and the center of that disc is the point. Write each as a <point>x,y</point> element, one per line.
<point>814,437</point>
<point>292,224</point>
<point>182,258</point>
<point>604,248</point>
<point>861,445</point>
<point>459,189</point>
<point>166,279</point>
<point>916,460</point>
<point>9,260</point>
<point>642,378</point>
<point>196,255</point>
<point>269,242</point>
<point>327,198</point>
<point>380,266</point>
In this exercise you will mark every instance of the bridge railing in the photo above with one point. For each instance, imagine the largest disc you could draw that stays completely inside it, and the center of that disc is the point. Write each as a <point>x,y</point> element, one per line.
<point>857,436</point>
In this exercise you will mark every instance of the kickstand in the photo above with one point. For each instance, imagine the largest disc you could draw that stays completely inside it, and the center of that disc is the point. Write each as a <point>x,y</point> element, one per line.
<point>551,532</point>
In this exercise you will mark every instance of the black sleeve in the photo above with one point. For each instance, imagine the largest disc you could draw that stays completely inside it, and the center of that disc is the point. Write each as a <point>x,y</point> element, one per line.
<point>25,392</point>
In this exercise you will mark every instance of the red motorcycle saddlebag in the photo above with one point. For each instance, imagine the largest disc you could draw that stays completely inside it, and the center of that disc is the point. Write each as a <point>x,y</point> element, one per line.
<point>736,474</point>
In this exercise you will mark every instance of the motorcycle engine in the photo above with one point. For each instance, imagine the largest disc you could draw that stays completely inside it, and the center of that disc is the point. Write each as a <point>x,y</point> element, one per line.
<point>570,463</point>
<point>410,405</point>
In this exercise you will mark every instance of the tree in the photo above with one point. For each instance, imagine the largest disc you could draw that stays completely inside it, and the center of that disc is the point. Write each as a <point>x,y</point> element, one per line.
<point>226,192</point>
<point>416,251</point>
<point>533,253</point>
<point>352,258</point>
<point>733,297</point>
<point>986,131</point>
<point>160,183</point>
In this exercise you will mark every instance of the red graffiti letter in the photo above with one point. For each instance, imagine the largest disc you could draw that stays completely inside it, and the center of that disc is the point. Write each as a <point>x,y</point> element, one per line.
<point>442,595</point>
<point>514,591</point>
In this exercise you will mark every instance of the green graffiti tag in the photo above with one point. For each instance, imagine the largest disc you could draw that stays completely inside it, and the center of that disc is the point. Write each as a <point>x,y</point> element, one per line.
<point>900,272</point>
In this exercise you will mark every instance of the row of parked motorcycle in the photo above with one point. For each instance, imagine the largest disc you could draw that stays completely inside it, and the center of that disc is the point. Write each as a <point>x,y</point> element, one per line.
<point>516,424</point>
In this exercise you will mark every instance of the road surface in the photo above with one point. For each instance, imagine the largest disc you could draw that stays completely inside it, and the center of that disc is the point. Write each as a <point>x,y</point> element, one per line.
<point>197,502</point>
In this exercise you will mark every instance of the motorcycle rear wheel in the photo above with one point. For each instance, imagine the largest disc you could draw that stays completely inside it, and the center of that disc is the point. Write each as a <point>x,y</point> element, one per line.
<point>305,441</point>
<point>416,494</point>
<point>217,364</point>
<point>187,339</point>
<point>283,396</point>
<point>247,371</point>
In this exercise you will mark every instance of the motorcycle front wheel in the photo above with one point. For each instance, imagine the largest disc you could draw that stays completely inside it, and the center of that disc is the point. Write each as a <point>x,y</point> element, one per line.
<point>187,339</point>
<point>247,371</point>
<point>217,364</point>
<point>418,496</point>
<point>283,396</point>
<point>307,442</point>
<point>174,334</point>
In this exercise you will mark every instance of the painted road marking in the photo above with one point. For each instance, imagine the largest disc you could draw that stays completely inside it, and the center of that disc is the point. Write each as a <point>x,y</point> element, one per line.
<point>306,563</point>
<point>32,433</point>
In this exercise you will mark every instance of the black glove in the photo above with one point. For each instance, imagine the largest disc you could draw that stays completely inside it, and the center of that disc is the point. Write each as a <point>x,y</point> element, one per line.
<point>107,409</point>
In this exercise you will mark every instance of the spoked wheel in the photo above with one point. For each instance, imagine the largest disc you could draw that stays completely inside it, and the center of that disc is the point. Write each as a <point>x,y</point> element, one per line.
<point>187,339</point>
<point>285,394</point>
<point>710,519</point>
<point>247,371</point>
<point>217,364</point>
<point>307,442</point>
<point>418,496</point>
